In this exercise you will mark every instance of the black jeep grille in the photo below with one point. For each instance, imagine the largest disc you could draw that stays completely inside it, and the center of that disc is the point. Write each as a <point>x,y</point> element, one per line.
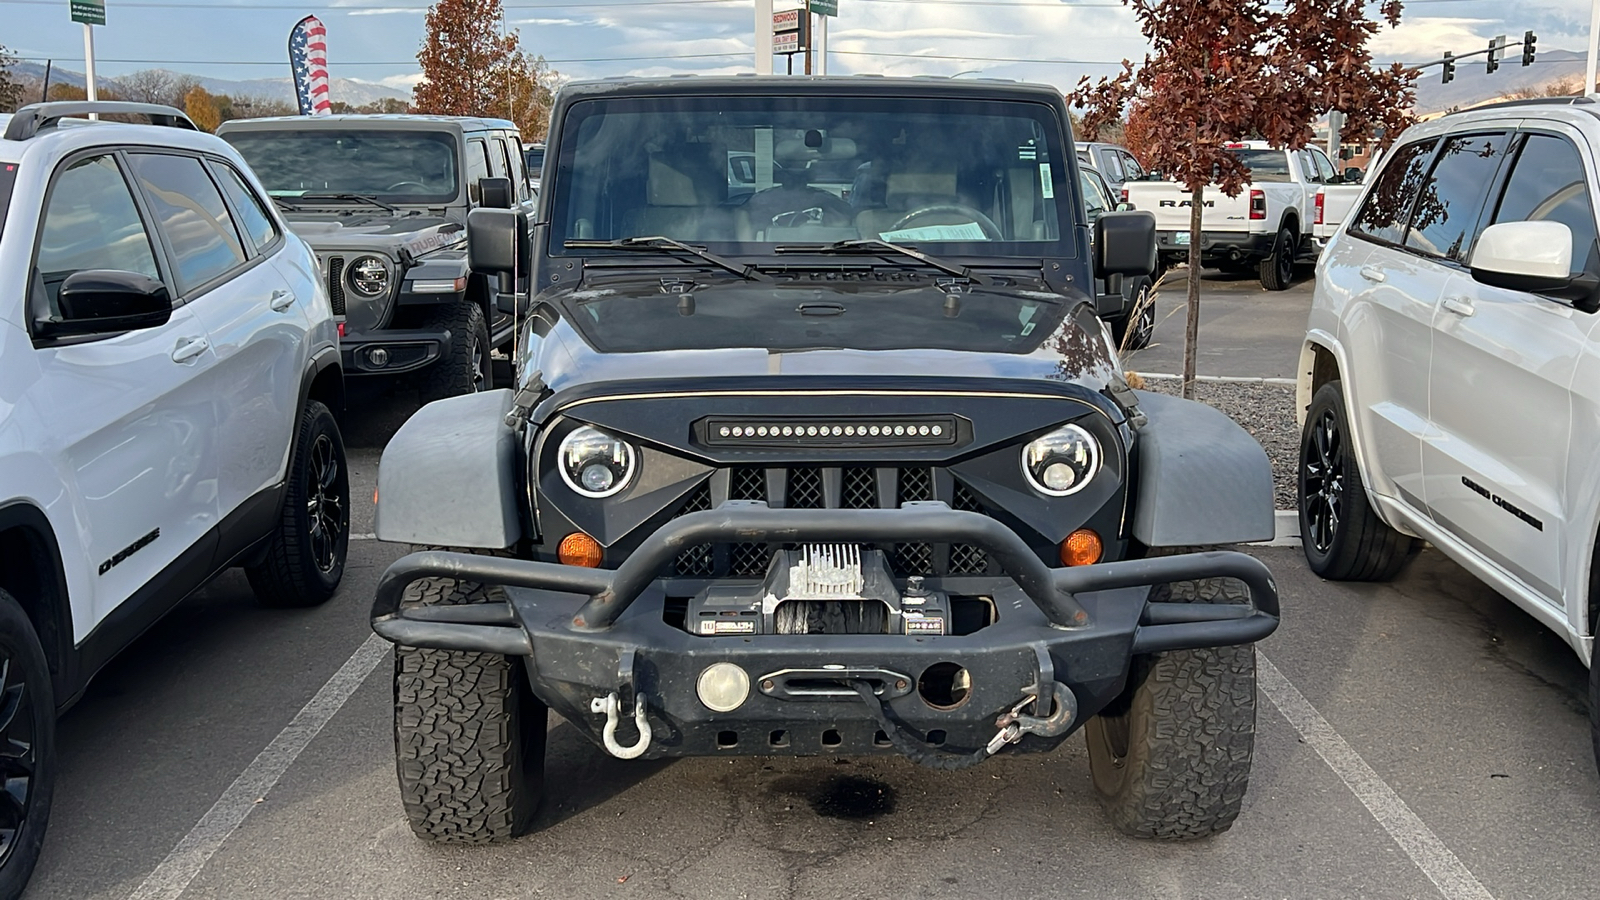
<point>336,284</point>
<point>808,487</point>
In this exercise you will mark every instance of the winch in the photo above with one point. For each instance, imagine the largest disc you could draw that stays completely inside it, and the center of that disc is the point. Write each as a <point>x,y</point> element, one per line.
<point>821,589</point>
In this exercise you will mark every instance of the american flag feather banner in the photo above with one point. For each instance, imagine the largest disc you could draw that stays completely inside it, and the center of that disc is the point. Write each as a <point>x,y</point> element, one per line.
<point>308,60</point>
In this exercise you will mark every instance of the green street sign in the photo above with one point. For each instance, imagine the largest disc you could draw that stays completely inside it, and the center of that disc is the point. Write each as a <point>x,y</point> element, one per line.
<point>825,7</point>
<point>89,12</point>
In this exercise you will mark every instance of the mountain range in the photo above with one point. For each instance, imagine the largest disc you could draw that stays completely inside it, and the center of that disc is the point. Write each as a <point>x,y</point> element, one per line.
<point>347,90</point>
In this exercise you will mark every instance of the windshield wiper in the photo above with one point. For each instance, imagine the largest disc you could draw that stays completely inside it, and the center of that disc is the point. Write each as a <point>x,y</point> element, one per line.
<point>364,198</point>
<point>883,248</point>
<point>659,244</point>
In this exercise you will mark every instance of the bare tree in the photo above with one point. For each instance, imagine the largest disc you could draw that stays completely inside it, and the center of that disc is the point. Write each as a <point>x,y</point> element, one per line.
<point>10,89</point>
<point>148,86</point>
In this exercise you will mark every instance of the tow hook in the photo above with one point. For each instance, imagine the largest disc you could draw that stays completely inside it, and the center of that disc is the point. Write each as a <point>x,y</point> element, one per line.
<point>611,708</point>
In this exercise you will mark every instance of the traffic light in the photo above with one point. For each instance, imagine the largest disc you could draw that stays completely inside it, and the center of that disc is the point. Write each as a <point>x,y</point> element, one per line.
<point>1496,47</point>
<point>1449,67</point>
<point>1528,40</point>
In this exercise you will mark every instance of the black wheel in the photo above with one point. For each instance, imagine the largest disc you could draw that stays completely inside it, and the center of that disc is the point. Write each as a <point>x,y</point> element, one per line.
<point>469,735</point>
<point>1343,538</point>
<point>1142,315</point>
<point>1170,757</point>
<point>1594,706</point>
<point>305,560</point>
<point>1277,270</point>
<point>466,367</point>
<point>27,747</point>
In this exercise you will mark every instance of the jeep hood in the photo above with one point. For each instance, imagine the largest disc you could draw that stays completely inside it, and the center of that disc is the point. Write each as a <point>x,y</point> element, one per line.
<point>750,332</point>
<point>376,231</point>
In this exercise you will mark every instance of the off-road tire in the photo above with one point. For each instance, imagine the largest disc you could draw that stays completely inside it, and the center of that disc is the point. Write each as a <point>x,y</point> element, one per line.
<point>466,366</point>
<point>1358,546</point>
<point>1141,313</point>
<point>1170,757</point>
<point>305,560</point>
<point>1277,270</point>
<point>469,735</point>
<point>28,727</point>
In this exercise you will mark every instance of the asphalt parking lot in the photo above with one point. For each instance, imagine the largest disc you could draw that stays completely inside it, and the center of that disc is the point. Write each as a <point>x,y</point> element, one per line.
<point>1245,330</point>
<point>1419,739</point>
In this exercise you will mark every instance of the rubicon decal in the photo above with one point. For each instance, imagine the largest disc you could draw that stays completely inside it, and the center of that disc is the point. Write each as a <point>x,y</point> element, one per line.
<point>129,550</point>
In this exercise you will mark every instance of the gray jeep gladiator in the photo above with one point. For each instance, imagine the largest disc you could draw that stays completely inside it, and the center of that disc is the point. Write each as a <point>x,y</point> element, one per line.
<point>383,200</point>
<point>817,447</point>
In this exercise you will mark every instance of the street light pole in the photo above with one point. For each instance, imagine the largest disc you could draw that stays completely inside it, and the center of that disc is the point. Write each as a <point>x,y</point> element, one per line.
<point>1594,46</point>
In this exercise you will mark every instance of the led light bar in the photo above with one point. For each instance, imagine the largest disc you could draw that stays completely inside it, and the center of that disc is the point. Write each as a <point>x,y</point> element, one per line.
<point>831,432</point>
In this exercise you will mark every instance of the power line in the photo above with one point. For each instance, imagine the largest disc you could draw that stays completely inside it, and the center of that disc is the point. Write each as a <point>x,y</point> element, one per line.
<point>1002,59</point>
<point>407,62</point>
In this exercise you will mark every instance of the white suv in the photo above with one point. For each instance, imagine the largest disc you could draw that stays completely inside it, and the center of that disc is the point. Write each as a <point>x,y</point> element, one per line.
<point>1450,381</point>
<point>168,367</point>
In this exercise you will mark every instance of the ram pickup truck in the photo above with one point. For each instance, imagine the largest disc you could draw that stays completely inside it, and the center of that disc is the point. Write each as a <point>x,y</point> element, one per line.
<point>1292,205</point>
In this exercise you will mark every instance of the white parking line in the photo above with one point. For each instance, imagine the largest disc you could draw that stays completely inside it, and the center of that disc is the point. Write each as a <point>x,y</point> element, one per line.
<point>172,877</point>
<point>1447,873</point>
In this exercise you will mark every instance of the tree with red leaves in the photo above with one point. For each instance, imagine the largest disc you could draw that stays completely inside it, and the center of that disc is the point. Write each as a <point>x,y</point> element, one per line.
<point>1222,70</point>
<point>471,66</point>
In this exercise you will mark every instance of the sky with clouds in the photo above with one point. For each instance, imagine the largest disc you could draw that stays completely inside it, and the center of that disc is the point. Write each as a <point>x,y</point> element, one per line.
<point>1053,41</point>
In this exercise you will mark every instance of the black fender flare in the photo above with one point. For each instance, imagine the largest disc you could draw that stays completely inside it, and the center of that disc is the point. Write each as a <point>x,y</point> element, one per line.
<point>52,616</point>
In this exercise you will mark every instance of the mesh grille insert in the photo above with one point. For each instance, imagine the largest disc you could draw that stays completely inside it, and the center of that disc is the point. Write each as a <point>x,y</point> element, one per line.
<point>748,484</point>
<point>913,559</point>
<point>805,489</point>
<point>967,559</point>
<point>748,560</point>
<point>860,489</point>
<point>336,284</point>
<point>916,485</point>
<point>698,560</point>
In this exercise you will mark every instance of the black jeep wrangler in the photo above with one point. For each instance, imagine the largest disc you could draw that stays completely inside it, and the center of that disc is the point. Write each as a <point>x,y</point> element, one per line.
<point>383,200</point>
<point>818,448</point>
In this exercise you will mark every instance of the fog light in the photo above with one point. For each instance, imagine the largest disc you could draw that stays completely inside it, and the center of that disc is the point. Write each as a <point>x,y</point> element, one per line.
<point>378,357</point>
<point>1081,548</point>
<point>723,687</point>
<point>578,549</point>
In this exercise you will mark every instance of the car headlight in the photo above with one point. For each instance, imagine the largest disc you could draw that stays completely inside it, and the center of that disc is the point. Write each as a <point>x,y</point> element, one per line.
<point>368,276</point>
<point>1061,462</point>
<point>595,464</point>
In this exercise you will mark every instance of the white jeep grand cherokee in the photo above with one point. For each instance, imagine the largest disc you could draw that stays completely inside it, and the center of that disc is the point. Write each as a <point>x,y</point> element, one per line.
<point>1449,385</point>
<point>168,366</point>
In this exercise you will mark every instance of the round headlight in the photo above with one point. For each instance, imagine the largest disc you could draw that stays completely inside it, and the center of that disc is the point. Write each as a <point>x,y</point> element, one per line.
<point>1061,462</point>
<point>594,463</point>
<point>369,276</point>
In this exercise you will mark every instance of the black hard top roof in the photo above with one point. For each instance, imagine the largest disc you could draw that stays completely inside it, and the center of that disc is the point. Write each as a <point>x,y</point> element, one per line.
<point>814,85</point>
<point>394,121</point>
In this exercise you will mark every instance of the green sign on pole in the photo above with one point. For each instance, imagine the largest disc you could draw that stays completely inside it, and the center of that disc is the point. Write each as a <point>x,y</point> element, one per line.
<point>825,7</point>
<point>89,12</point>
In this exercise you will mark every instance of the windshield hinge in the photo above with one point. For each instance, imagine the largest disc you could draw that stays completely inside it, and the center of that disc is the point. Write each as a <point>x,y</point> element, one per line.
<point>523,402</point>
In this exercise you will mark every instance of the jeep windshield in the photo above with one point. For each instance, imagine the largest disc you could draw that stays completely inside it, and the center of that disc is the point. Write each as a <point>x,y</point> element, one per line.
<point>748,175</point>
<point>323,164</point>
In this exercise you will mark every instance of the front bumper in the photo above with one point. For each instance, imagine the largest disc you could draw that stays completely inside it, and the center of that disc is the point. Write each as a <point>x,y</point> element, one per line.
<point>401,351</point>
<point>586,634</point>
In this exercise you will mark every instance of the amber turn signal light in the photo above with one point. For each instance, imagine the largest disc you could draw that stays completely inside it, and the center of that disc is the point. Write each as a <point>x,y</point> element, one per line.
<point>578,549</point>
<point>1081,548</point>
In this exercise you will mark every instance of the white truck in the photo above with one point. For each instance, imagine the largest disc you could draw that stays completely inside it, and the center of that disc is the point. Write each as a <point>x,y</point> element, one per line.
<point>1292,205</point>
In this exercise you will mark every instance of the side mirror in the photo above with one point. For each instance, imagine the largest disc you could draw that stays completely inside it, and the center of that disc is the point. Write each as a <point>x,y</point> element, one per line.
<point>1353,175</point>
<point>106,301</point>
<point>1535,257</point>
<point>494,238</point>
<point>1125,206</point>
<point>1125,244</point>
<point>496,193</point>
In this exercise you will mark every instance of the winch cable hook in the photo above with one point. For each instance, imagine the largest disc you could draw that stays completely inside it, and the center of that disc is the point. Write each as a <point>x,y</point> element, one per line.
<point>611,708</point>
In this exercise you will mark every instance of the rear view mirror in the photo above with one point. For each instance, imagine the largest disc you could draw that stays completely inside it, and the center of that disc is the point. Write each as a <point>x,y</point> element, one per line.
<point>496,193</point>
<point>1125,243</point>
<point>1535,257</point>
<point>106,301</point>
<point>494,237</point>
